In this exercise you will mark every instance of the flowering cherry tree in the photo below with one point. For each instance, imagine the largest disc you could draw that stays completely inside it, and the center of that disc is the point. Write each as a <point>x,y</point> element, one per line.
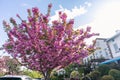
<point>9,65</point>
<point>42,46</point>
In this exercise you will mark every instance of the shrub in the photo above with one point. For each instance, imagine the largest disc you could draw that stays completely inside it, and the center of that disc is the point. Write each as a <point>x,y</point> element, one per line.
<point>107,77</point>
<point>33,74</point>
<point>103,69</point>
<point>86,78</point>
<point>115,73</point>
<point>72,67</point>
<point>57,77</point>
<point>53,78</point>
<point>81,71</point>
<point>1,74</point>
<point>68,70</point>
<point>94,75</point>
<point>75,74</point>
<point>53,75</point>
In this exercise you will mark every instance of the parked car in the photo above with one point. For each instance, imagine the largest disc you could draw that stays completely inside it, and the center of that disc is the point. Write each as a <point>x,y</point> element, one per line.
<point>15,77</point>
<point>36,79</point>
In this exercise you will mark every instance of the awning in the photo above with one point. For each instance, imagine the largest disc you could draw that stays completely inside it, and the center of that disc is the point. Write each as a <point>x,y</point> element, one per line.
<point>111,60</point>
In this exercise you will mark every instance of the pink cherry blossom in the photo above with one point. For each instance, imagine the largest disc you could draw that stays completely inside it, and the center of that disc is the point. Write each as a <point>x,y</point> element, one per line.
<point>44,47</point>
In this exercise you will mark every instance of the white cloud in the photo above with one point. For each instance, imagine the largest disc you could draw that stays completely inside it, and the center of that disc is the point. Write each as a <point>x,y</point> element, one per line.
<point>88,4</point>
<point>107,20</point>
<point>76,11</point>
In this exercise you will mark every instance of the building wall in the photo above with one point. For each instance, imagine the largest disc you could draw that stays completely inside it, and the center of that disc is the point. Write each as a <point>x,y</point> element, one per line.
<point>88,58</point>
<point>114,44</point>
<point>107,48</point>
<point>101,52</point>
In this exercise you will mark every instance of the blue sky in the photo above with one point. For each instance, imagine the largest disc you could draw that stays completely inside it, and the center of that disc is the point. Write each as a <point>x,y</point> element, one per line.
<point>102,15</point>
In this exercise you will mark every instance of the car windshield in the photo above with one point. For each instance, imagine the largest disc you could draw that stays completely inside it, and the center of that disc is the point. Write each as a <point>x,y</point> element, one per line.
<point>10,78</point>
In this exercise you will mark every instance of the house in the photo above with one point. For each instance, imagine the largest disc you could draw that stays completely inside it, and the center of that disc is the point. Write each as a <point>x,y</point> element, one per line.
<point>114,44</point>
<point>107,49</point>
<point>102,51</point>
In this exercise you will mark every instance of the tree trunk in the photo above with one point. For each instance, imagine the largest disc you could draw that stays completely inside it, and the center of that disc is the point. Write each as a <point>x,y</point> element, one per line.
<point>47,75</point>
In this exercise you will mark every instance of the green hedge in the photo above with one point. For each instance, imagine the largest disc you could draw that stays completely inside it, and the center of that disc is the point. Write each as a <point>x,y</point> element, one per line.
<point>107,77</point>
<point>115,73</point>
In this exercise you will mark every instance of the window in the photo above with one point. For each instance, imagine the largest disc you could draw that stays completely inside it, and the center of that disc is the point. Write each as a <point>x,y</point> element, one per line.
<point>106,53</point>
<point>113,40</point>
<point>90,57</point>
<point>116,47</point>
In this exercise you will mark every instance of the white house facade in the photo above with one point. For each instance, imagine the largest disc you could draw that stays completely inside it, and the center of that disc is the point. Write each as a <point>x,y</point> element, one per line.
<point>102,51</point>
<point>114,45</point>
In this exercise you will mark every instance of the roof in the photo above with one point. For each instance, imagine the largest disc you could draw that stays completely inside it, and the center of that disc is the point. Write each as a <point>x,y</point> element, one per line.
<point>16,76</point>
<point>94,42</point>
<point>116,35</point>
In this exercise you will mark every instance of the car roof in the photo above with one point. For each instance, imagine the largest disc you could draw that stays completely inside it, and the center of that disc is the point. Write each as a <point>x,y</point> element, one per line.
<point>16,76</point>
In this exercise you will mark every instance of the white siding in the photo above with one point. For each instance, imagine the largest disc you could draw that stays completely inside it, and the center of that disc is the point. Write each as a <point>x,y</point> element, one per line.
<point>114,44</point>
<point>101,52</point>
